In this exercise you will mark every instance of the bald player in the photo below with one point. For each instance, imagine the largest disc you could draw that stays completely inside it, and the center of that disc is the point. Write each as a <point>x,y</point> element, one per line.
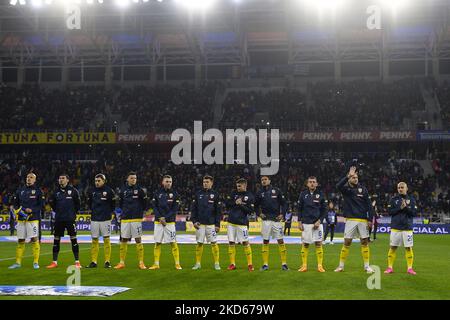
<point>402,209</point>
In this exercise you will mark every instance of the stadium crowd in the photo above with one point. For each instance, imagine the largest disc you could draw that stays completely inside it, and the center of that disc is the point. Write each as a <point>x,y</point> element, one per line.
<point>335,106</point>
<point>37,109</point>
<point>378,173</point>
<point>443,94</point>
<point>164,108</point>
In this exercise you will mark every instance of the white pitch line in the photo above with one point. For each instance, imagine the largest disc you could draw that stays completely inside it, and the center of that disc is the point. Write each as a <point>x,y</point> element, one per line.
<point>44,254</point>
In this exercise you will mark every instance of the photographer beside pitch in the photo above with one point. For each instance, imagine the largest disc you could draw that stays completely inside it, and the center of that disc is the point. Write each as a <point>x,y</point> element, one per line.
<point>206,214</point>
<point>358,212</point>
<point>402,209</point>
<point>28,203</point>
<point>100,201</point>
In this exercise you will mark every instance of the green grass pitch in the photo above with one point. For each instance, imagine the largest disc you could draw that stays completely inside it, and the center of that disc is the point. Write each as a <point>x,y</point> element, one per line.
<point>432,263</point>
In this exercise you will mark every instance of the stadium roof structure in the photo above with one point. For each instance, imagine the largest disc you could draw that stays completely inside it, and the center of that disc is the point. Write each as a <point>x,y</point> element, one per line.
<point>157,33</point>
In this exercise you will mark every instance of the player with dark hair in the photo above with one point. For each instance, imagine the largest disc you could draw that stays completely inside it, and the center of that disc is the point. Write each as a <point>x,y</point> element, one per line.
<point>65,201</point>
<point>271,207</point>
<point>133,203</point>
<point>165,207</point>
<point>28,203</point>
<point>101,202</point>
<point>312,210</point>
<point>206,215</point>
<point>358,212</point>
<point>239,205</point>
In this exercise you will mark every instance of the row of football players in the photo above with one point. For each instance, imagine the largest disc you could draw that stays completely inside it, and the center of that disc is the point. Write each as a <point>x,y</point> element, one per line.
<point>269,204</point>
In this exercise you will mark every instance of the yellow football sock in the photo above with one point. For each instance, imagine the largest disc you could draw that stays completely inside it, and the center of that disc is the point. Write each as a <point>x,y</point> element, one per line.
<point>198,253</point>
<point>175,253</point>
<point>344,254</point>
<point>232,253</point>
<point>319,254</point>
<point>265,254</point>
<point>140,252</point>
<point>107,248</point>
<point>391,257</point>
<point>94,250</point>
<point>283,253</point>
<point>304,254</point>
<point>215,252</point>
<point>248,253</point>
<point>157,253</point>
<point>123,251</point>
<point>365,252</point>
<point>409,255</point>
<point>36,251</point>
<point>19,252</point>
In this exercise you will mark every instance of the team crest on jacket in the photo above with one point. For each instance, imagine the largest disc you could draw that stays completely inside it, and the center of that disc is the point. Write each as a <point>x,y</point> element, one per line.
<point>135,192</point>
<point>69,192</point>
<point>104,193</point>
<point>317,196</point>
<point>273,191</point>
<point>170,195</point>
<point>408,201</point>
<point>360,190</point>
<point>245,198</point>
<point>211,196</point>
<point>33,191</point>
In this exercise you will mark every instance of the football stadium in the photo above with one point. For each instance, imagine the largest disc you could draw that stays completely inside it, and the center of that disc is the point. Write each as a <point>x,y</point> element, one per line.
<point>239,150</point>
